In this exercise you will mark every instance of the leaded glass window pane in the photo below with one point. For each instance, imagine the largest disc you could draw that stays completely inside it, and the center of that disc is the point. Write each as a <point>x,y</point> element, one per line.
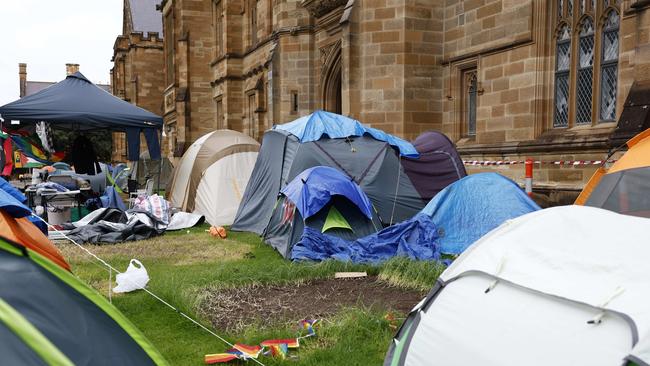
<point>583,97</point>
<point>561,117</point>
<point>471,104</point>
<point>608,91</point>
<point>583,5</point>
<point>563,63</point>
<point>565,33</point>
<point>609,68</point>
<point>569,7</point>
<point>612,20</point>
<point>563,56</point>
<point>584,91</point>
<point>560,9</point>
<point>610,46</point>
<point>593,4</point>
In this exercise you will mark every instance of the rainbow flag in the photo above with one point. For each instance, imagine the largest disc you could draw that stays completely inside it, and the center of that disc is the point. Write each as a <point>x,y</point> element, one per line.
<point>219,358</point>
<point>248,351</point>
<point>31,150</point>
<point>279,351</point>
<point>290,342</point>
<point>308,325</point>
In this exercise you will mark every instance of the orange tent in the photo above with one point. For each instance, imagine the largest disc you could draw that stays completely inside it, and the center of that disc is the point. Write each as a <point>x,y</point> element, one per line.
<point>625,186</point>
<point>24,232</point>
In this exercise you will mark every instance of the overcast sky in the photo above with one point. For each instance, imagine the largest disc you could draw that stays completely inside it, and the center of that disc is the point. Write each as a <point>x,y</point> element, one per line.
<point>47,34</point>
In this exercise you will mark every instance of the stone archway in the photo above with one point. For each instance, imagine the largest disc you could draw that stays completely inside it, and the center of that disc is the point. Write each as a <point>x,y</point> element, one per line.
<point>331,79</point>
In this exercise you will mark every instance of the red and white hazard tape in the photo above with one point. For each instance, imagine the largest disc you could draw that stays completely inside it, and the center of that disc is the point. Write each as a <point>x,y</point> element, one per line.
<point>514,162</point>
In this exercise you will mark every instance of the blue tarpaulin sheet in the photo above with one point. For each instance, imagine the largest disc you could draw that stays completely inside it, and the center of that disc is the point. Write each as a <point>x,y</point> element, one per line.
<point>471,207</point>
<point>13,202</point>
<point>313,126</point>
<point>415,238</point>
<point>15,193</point>
<point>312,189</point>
<point>110,199</point>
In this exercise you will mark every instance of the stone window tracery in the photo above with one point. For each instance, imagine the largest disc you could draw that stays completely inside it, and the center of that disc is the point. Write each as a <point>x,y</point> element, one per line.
<point>585,27</point>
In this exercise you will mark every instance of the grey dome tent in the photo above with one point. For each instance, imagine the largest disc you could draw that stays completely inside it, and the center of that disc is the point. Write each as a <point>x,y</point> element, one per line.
<point>77,103</point>
<point>371,158</point>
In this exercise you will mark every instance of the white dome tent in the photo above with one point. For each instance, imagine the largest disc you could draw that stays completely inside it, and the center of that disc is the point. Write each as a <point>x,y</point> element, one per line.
<point>562,286</point>
<point>212,174</point>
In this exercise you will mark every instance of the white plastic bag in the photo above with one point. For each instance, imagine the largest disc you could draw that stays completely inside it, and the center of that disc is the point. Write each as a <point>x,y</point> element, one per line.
<point>135,278</point>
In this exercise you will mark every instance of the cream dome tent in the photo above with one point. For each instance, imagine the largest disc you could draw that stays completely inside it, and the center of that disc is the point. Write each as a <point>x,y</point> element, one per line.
<point>211,177</point>
<point>563,286</point>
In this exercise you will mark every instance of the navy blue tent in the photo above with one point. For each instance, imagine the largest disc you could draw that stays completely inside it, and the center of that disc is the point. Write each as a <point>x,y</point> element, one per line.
<point>77,103</point>
<point>471,207</point>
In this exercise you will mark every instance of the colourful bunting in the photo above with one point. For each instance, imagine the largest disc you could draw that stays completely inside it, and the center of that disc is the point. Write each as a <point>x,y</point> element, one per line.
<point>279,351</point>
<point>219,358</point>
<point>308,325</point>
<point>248,351</point>
<point>278,348</point>
<point>290,342</point>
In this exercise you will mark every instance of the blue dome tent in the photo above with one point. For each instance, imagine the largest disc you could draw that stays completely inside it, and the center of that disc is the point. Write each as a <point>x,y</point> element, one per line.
<point>469,208</point>
<point>324,200</point>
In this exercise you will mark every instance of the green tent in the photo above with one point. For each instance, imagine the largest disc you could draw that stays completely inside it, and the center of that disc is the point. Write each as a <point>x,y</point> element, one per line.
<point>49,317</point>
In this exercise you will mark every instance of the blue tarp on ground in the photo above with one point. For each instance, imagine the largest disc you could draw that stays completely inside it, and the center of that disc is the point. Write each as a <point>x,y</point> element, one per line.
<point>415,238</point>
<point>471,207</point>
<point>313,189</point>
<point>313,126</point>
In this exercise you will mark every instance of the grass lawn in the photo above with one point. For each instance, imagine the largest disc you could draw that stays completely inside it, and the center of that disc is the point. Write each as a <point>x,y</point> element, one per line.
<point>185,267</point>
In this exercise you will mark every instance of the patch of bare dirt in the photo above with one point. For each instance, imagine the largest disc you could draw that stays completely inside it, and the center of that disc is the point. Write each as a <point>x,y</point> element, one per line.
<point>264,305</point>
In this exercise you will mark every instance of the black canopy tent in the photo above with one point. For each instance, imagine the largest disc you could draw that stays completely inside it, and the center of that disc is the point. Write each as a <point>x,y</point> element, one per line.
<point>76,103</point>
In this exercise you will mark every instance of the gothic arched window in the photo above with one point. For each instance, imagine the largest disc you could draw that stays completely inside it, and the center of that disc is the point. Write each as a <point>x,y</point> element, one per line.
<point>575,100</point>
<point>609,67</point>
<point>562,67</point>
<point>585,72</point>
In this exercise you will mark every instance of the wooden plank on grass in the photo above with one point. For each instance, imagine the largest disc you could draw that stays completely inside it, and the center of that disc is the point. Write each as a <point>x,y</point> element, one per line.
<point>350,274</point>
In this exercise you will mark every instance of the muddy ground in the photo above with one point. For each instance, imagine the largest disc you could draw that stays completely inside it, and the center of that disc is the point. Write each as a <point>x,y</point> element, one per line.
<point>236,308</point>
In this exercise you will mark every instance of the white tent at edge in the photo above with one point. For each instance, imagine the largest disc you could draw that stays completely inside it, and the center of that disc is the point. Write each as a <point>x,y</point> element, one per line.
<point>561,286</point>
<point>212,175</point>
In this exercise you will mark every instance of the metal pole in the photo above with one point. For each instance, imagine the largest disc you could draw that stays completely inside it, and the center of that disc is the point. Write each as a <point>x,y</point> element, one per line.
<point>161,160</point>
<point>529,177</point>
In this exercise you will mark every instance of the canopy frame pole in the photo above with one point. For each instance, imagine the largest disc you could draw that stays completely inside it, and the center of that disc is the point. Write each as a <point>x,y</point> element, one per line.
<point>160,164</point>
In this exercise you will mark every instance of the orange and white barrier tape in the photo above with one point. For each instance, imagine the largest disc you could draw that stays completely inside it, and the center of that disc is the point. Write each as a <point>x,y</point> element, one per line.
<point>514,162</point>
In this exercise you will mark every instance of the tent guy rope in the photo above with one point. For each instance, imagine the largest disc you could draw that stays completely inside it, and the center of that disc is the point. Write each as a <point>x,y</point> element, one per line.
<point>111,268</point>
